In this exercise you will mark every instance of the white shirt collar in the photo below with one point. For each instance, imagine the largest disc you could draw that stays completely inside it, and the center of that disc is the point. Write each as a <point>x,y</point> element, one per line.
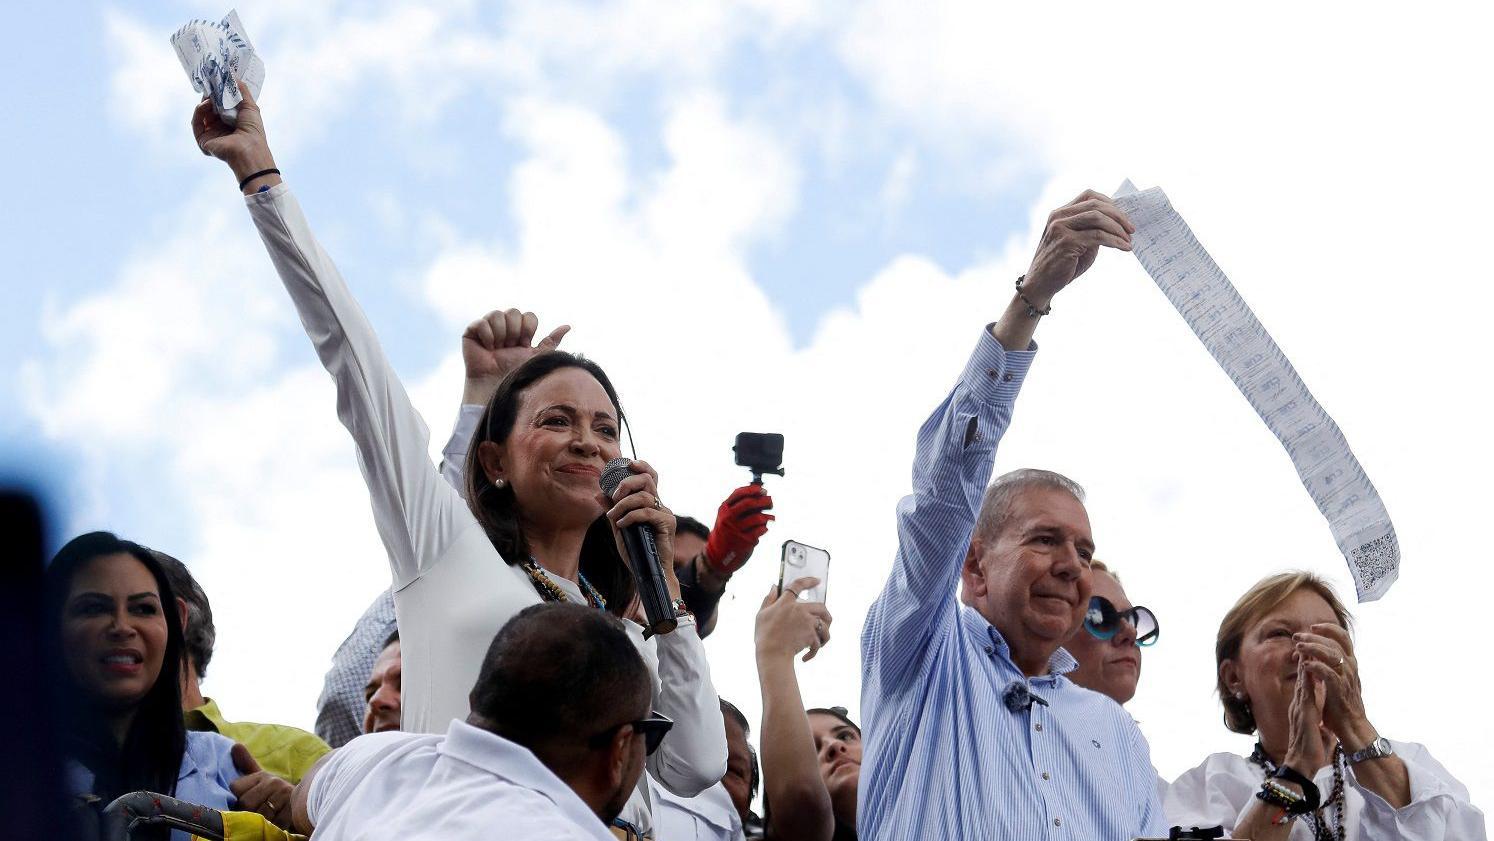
<point>515,763</point>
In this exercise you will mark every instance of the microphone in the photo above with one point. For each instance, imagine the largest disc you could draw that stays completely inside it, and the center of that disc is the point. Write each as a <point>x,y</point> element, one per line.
<point>643,558</point>
<point>1018,698</point>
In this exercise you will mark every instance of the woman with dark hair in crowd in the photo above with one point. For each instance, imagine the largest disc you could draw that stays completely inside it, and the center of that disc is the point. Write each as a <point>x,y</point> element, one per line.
<point>118,636</point>
<point>811,759</point>
<point>1288,673</point>
<point>534,527</point>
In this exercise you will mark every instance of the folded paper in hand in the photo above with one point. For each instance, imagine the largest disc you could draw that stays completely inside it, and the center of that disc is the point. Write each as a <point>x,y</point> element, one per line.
<point>217,56</point>
<point>1205,298</point>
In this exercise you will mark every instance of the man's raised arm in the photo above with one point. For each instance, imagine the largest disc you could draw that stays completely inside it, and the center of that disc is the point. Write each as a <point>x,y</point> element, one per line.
<point>957,445</point>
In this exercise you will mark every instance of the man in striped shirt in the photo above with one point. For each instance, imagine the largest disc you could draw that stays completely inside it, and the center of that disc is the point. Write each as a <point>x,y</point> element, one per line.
<point>972,730</point>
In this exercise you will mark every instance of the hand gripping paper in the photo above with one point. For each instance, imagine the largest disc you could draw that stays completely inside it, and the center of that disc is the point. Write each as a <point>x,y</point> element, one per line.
<point>1205,299</point>
<point>217,56</point>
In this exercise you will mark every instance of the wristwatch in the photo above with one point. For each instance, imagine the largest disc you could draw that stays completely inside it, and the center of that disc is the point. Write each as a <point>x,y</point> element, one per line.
<point>1378,749</point>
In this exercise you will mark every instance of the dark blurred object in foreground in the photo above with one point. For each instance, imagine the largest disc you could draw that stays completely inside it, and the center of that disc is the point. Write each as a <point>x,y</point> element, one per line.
<point>31,798</point>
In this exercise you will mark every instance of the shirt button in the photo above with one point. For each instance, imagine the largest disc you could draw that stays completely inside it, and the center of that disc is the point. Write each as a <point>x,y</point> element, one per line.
<point>1007,377</point>
<point>1039,726</point>
<point>991,372</point>
<point>1045,775</point>
<point>1058,821</point>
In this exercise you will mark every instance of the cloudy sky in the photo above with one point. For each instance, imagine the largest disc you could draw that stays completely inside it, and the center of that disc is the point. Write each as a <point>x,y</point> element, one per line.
<point>784,216</point>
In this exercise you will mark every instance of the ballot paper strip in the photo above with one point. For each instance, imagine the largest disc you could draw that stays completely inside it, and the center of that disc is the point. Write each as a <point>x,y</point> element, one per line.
<point>1220,318</point>
<point>217,56</point>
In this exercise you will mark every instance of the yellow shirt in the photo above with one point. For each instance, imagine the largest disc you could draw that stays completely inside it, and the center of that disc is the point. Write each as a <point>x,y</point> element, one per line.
<point>286,752</point>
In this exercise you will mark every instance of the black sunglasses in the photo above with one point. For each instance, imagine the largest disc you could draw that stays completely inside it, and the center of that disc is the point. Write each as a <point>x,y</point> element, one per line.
<point>1103,621</point>
<point>652,728</point>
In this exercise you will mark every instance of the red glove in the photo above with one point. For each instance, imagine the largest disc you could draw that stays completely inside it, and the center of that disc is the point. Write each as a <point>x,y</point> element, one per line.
<point>740,522</point>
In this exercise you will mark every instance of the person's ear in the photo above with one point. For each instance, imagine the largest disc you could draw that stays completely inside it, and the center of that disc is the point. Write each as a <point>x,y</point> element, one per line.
<point>490,457</point>
<point>181,611</point>
<point>972,575</point>
<point>618,757</point>
<point>1230,678</point>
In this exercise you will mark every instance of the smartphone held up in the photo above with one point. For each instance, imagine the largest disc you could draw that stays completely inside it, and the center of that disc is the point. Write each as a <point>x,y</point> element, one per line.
<point>800,560</point>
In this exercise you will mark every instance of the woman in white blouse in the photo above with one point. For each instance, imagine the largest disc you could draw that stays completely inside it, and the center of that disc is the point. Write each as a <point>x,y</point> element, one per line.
<point>1288,672</point>
<point>537,527</point>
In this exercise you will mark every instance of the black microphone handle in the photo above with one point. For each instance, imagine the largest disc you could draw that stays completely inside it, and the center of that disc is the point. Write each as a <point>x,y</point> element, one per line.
<point>643,557</point>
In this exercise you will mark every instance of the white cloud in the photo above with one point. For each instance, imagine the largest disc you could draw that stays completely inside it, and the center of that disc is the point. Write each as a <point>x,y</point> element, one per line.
<point>1334,170</point>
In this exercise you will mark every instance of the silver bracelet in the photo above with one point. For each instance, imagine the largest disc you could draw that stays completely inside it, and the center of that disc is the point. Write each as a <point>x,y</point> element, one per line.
<point>1032,311</point>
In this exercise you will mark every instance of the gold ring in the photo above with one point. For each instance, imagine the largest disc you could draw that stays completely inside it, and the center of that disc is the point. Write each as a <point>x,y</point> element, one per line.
<point>1340,661</point>
<point>658,504</point>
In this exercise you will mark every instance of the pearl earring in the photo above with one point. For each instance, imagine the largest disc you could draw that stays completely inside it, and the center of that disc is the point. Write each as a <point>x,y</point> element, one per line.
<point>499,483</point>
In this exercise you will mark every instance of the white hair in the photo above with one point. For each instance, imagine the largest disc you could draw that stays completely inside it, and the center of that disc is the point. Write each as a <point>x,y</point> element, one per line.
<point>996,507</point>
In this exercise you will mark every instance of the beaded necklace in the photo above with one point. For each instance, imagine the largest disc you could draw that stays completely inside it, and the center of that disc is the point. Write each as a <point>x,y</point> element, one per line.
<point>552,593</point>
<point>1321,830</point>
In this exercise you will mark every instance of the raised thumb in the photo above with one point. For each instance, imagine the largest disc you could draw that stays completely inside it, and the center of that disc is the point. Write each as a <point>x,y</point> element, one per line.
<point>244,760</point>
<point>552,341</point>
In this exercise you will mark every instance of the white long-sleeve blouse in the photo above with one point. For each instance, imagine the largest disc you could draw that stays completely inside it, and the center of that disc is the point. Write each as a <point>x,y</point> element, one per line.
<point>453,591</point>
<point>1221,788</point>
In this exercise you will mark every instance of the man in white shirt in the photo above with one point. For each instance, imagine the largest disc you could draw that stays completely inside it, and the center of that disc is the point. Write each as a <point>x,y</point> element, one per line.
<point>555,743</point>
<point>718,813</point>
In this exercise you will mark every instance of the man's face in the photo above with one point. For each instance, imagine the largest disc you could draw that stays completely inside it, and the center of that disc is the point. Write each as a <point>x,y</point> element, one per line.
<point>686,547</point>
<point>1110,667</point>
<point>628,767</point>
<point>838,746</point>
<point>1032,580</point>
<point>738,779</point>
<point>383,692</point>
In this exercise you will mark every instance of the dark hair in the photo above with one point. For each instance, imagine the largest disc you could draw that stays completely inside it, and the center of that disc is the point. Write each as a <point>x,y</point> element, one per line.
<point>150,757</point>
<point>390,640</point>
<point>200,635</point>
<point>690,525</point>
<point>842,832</point>
<point>730,710</point>
<point>836,712</point>
<point>497,509</point>
<point>557,674</point>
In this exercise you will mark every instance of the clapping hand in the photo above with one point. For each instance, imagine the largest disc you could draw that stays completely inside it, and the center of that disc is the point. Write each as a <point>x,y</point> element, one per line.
<point>496,344</point>
<point>1307,745</point>
<point>1327,653</point>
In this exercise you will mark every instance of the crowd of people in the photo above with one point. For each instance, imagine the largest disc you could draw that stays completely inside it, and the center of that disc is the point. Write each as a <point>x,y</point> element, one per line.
<point>505,681</point>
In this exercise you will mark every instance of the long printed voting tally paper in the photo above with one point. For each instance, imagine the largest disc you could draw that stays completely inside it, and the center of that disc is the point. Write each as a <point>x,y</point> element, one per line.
<point>217,56</point>
<point>1220,318</point>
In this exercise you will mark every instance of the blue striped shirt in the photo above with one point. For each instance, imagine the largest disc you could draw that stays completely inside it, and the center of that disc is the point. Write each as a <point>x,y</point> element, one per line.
<point>943,756</point>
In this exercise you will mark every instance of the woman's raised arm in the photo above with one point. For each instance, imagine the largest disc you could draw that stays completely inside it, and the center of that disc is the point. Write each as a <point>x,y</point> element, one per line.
<point>417,514</point>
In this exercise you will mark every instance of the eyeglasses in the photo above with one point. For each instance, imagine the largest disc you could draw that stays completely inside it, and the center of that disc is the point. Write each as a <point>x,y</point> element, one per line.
<point>1103,621</point>
<point>626,830</point>
<point>652,728</point>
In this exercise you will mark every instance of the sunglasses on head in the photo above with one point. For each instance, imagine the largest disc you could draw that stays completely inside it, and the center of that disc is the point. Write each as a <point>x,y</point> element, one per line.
<point>652,728</point>
<point>1103,621</point>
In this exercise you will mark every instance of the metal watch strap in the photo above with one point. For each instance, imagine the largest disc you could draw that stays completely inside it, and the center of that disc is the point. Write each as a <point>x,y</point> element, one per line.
<point>1377,749</point>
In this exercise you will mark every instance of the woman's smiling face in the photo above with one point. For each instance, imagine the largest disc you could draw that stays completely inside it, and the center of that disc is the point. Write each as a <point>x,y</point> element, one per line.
<point>565,432</point>
<point>114,630</point>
